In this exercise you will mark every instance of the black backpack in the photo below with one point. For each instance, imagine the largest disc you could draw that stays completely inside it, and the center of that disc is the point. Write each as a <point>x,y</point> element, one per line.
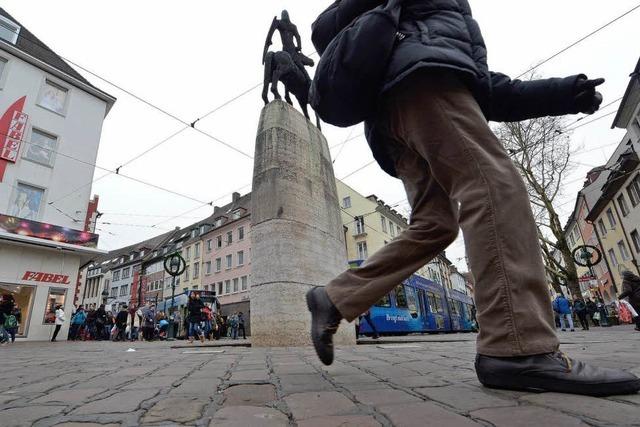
<point>351,71</point>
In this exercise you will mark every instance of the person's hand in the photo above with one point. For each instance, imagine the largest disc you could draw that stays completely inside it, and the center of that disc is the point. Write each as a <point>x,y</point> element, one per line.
<point>586,97</point>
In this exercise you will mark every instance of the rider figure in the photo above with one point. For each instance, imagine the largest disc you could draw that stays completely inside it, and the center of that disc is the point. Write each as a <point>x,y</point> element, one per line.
<point>291,42</point>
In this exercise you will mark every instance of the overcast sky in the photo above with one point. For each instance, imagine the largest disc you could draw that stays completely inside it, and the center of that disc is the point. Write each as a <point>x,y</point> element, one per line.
<point>190,57</point>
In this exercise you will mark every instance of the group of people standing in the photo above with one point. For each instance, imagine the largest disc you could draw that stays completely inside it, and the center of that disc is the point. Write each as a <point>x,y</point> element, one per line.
<point>205,322</point>
<point>10,318</point>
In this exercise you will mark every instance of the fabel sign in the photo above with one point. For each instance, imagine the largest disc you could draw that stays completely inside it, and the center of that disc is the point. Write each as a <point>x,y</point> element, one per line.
<point>36,276</point>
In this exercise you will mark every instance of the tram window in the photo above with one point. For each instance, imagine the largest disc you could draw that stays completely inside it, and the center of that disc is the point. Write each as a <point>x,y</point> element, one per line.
<point>401,297</point>
<point>431,298</point>
<point>385,301</point>
<point>453,306</point>
<point>412,302</point>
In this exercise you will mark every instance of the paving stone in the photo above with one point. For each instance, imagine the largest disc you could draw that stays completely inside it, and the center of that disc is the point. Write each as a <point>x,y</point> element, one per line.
<point>201,387</point>
<point>244,416</point>
<point>603,410</point>
<point>152,382</point>
<point>366,386</point>
<point>355,379</point>
<point>390,372</point>
<point>345,421</point>
<point>251,375</point>
<point>384,397</point>
<point>121,402</point>
<point>26,416</point>
<point>474,397</point>
<point>315,385</point>
<point>249,395</point>
<point>175,409</point>
<point>74,424</point>
<point>69,396</point>
<point>419,414</point>
<point>526,416</point>
<point>312,405</point>
<point>419,381</point>
<point>105,383</point>
<point>294,369</point>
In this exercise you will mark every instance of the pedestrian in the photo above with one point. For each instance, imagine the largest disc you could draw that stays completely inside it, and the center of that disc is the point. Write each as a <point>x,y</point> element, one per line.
<point>77,323</point>
<point>11,323</point>
<point>631,291</point>
<point>194,308</point>
<point>60,319</point>
<point>148,321</point>
<point>592,309</point>
<point>101,321</point>
<point>233,322</point>
<point>602,313</point>
<point>6,308</point>
<point>121,323</point>
<point>241,326</point>
<point>580,308</point>
<point>177,320</point>
<point>91,323</point>
<point>430,130</point>
<point>563,308</point>
<point>207,317</point>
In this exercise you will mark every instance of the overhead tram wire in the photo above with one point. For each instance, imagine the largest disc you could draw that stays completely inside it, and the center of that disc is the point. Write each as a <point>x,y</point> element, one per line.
<point>577,42</point>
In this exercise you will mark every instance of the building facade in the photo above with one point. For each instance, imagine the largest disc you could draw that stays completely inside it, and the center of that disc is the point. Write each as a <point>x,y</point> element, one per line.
<point>50,126</point>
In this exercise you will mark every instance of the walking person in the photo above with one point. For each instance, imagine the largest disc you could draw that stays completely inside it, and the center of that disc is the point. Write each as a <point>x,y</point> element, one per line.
<point>581,311</point>
<point>194,307</point>
<point>631,291</point>
<point>121,323</point>
<point>592,309</point>
<point>241,326</point>
<point>148,321</point>
<point>12,322</point>
<point>603,314</point>
<point>60,319</point>
<point>563,308</point>
<point>101,321</point>
<point>430,130</point>
<point>176,318</point>
<point>233,323</point>
<point>77,323</point>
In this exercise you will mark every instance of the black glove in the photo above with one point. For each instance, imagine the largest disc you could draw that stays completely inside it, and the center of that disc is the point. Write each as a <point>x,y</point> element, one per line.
<point>586,98</point>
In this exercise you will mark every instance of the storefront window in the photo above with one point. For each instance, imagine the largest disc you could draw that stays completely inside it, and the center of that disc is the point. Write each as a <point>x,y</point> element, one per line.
<point>56,297</point>
<point>21,299</point>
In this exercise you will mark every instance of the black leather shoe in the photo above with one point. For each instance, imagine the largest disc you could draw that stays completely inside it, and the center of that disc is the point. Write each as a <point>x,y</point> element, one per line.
<point>325,319</point>
<point>553,372</point>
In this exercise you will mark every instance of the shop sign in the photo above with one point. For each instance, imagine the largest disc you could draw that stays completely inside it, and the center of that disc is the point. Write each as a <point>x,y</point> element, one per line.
<point>36,276</point>
<point>13,123</point>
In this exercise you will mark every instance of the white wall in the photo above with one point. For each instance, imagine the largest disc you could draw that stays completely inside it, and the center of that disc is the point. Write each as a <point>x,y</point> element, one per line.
<point>78,133</point>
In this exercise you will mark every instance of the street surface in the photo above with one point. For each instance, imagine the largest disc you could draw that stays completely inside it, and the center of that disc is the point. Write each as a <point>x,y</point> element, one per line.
<point>400,383</point>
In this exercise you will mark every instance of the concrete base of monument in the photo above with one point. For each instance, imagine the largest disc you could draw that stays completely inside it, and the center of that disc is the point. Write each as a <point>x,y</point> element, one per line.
<point>296,230</point>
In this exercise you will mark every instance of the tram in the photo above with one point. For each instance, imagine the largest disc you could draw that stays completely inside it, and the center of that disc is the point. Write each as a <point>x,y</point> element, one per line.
<point>419,305</point>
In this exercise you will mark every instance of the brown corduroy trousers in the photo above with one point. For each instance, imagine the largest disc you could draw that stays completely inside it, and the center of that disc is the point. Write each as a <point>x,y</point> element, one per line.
<point>457,175</point>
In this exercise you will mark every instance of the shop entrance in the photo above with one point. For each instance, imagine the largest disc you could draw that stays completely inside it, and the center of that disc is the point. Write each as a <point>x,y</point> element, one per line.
<point>20,299</point>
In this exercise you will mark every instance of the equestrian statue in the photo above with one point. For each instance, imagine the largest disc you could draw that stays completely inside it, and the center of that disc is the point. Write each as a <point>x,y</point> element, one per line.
<point>287,66</point>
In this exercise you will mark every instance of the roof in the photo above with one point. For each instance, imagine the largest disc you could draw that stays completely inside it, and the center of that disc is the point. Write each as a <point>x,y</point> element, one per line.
<point>31,45</point>
<point>630,101</point>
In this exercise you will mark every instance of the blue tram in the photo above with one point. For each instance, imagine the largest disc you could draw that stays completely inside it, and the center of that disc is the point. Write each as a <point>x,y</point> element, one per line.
<point>420,305</point>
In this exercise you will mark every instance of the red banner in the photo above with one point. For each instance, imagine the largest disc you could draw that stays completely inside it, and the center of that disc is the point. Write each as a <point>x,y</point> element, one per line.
<point>13,124</point>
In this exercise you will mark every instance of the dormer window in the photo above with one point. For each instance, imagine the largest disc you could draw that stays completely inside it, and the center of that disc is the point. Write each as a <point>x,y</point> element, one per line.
<point>9,30</point>
<point>236,214</point>
<point>132,256</point>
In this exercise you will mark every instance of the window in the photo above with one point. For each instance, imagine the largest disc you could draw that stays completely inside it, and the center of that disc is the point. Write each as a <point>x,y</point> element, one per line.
<point>633,190</point>
<point>636,240</point>
<point>220,288</point>
<point>572,241</point>
<point>164,250</point>
<point>26,202</point>
<point>435,303</point>
<point>453,307</point>
<point>53,97</point>
<point>612,219</point>
<point>229,261</point>
<point>3,64</point>
<point>131,257</point>
<point>399,229</point>
<point>623,250</point>
<point>196,251</point>
<point>612,257</point>
<point>56,297</point>
<point>9,30</point>
<point>209,245</point>
<point>603,229</point>
<point>186,273</point>
<point>206,287</point>
<point>392,229</point>
<point>114,293</point>
<point>123,290</point>
<point>125,273</point>
<point>207,267</point>
<point>236,214</point>
<point>362,250</point>
<point>359,225</point>
<point>194,233</point>
<point>116,276</point>
<point>41,148</point>
<point>218,264</point>
<point>401,297</point>
<point>240,258</point>
<point>219,242</point>
<point>202,228</point>
<point>229,238</point>
<point>346,202</point>
<point>241,233</point>
<point>187,253</point>
<point>196,270</point>
<point>227,286</point>
<point>236,281</point>
<point>383,222</point>
<point>623,205</point>
<point>385,301</point>
<point>244,282</point>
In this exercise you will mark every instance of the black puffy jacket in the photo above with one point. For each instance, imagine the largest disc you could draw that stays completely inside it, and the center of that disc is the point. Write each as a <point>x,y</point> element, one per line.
<point>443,34</point>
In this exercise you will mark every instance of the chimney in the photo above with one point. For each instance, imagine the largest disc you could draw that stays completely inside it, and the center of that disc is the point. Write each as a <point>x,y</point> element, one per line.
<point>235,197</point>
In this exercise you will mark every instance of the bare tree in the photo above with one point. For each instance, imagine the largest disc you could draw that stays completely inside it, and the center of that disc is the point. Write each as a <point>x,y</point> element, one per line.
<point>541,151</point>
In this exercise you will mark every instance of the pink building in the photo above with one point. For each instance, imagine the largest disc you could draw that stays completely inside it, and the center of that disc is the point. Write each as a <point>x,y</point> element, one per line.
<point>226,259</point>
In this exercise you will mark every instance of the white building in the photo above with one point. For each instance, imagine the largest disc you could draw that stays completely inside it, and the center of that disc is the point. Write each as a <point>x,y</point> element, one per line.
<point>50,126</point>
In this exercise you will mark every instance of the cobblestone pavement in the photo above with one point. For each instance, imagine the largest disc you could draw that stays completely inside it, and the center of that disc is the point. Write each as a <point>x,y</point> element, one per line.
<point>431,382</point>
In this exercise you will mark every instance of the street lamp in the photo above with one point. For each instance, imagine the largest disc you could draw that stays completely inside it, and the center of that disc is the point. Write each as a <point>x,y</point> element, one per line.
<point>174,265</point>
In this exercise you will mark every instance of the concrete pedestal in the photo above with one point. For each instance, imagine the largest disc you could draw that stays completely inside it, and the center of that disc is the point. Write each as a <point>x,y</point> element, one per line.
<point>297,234</point>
